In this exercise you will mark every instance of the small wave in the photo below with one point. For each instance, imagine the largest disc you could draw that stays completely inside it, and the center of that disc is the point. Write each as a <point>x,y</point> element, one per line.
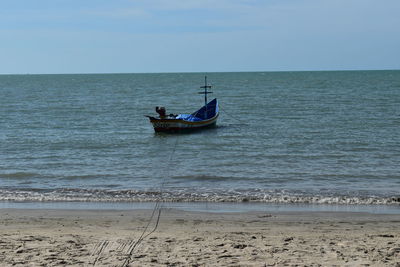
<point>207,178</point>
<point>182,195</point>
<point>17,175</point>
<point>83,177</point>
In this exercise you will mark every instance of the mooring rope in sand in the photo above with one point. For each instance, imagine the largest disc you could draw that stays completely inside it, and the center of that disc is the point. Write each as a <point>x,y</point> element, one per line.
<point>158,207</point>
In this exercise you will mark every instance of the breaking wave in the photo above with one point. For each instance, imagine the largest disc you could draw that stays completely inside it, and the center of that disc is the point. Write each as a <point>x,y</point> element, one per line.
<point>102,195</point>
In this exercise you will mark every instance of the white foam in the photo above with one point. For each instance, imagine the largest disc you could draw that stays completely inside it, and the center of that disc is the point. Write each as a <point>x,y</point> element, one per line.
<point>83,195</point>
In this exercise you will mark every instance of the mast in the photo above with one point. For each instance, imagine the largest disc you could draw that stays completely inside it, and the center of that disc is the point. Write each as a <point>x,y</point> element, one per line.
<point>205,92</point>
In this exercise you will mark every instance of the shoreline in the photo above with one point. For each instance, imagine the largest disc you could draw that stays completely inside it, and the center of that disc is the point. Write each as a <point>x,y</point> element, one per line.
<point>185,195</point>
<point>187,238</point>
<point>217,207</point>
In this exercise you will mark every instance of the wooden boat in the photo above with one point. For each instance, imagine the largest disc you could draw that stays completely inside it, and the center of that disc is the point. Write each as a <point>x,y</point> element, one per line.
<point>205,117</point>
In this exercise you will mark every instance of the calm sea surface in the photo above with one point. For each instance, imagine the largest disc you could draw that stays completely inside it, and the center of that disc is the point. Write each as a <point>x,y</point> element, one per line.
<point>303,137</point>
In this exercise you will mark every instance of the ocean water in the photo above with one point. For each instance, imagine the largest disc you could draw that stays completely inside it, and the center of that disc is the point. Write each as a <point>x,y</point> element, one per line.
<point>282,137</point>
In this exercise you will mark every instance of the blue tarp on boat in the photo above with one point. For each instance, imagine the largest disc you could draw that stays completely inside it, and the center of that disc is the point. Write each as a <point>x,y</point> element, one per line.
<point>205,113</point>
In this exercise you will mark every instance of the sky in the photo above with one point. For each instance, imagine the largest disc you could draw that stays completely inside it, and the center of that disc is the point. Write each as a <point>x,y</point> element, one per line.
<point>139,36</point>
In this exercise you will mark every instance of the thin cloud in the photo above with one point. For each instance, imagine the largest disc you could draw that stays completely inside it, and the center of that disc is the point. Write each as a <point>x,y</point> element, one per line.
<point>119,13</point>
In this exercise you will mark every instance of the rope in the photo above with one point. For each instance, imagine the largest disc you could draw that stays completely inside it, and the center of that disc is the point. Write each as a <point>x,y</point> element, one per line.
<point>232,116</point>
<point>158,207</point>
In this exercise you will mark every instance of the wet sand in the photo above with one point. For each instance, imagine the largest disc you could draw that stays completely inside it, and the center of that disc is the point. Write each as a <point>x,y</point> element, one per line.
<point>32,237</point>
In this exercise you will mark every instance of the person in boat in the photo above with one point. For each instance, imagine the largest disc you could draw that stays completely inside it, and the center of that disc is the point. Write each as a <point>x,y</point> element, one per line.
<point>163,113</point>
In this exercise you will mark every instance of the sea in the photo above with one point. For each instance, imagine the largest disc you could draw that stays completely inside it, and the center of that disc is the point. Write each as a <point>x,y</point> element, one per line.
<point>324,137</point>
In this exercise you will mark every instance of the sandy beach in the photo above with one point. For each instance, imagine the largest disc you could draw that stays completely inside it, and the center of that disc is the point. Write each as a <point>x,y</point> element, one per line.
<point>32,237</point>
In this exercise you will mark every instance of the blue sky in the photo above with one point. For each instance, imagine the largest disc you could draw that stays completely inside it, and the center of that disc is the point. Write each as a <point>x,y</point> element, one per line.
<point>112,36</point>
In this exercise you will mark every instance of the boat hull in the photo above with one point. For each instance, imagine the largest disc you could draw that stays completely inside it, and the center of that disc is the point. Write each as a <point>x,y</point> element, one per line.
<point>180,125</point>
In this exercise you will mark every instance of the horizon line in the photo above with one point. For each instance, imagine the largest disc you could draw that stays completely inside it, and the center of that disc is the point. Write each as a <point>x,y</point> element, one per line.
<point>194,72</point>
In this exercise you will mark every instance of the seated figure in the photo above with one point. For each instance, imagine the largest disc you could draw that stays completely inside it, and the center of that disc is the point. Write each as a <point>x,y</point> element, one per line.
<point>162,112</point>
